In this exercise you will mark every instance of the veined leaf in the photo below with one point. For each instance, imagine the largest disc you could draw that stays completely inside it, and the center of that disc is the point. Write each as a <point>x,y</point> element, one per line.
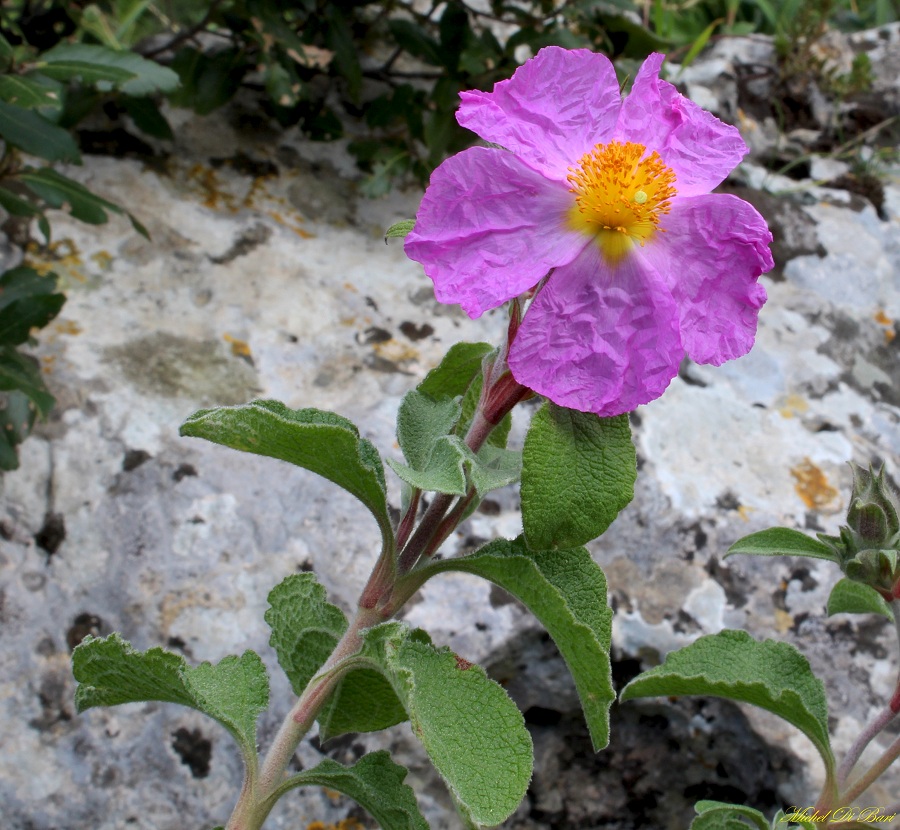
<point>322,442</point>
<point>305,629</point>
<point>731,664</point>
<point>454,374</point>
<point>399,229</point>
<point>374,782</point>
<point>471,730</point>
<point>234,691</point>
<point>717,815</point>
<point>27,93</point>
<point>782,541</point>
<point>566,591</point>
<point>849,597</point>
<point>578,473</point>
<point>91,74</point>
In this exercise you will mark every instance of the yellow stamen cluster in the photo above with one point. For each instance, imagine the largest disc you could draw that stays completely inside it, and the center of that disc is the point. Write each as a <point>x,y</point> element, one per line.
<point>620,195</point>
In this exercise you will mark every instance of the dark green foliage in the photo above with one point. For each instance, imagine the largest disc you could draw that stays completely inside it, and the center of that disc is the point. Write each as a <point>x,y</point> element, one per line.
<point>27,300</point>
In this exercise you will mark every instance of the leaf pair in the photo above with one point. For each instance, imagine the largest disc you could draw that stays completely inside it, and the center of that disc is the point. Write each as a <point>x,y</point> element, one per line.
<point>234,692</point>
<point>441,462</point>
<point>847,597</point>
<point>470,728</point>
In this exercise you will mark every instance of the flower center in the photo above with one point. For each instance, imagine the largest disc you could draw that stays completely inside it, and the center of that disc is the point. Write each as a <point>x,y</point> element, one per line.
<point>620,195</point>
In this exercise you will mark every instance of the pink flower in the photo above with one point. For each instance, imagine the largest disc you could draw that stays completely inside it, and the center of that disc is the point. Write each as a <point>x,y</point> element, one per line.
<point>611,198</point>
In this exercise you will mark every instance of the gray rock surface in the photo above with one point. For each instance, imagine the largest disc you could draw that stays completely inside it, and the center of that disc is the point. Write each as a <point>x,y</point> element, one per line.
<point>265,285</point>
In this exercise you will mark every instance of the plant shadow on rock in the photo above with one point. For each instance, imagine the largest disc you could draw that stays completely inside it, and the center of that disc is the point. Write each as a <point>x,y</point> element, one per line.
<point>663,757</point>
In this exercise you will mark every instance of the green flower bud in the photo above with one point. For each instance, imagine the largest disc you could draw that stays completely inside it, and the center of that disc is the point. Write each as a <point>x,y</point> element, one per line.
<point>868,545</point>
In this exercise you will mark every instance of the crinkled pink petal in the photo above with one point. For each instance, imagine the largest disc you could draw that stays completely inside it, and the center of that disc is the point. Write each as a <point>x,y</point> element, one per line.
<point>552,111</point>
<point>711,255</point>
<point>599,339</point>
<point>694,143</point>
<point>489,228</point>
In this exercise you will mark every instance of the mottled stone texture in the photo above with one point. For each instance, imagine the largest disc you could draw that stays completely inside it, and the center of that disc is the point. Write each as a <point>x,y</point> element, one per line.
<point>266,276</point>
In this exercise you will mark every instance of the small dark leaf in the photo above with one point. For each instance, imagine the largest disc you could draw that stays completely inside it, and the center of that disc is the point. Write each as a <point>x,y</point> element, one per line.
<point>35,135</point>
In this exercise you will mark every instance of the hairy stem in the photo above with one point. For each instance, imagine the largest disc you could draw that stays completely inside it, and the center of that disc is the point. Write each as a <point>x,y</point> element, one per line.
<point>409,519</point>
<point>873,773</point>
<point>308,705</point>
<point>871,729</point>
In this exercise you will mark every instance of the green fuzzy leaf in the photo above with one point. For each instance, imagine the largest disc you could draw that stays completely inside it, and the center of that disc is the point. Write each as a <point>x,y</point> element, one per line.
<point>399,229</point>
<point>717,815</point>
<point>566,591</point>
<point>319,441</point>
<point>459,373</point>
<point>452,467</point>
<point>795,818</point>
<point>234,691</point>
<point>60,191</point>
<point>123,70</point>
<point>578,473</point>
<point>36,135</point>
<point>849,597</point>
<point>444,470</point>
<point>363,701</point>
<point>27,92</point>
<point>305,629</point>
<point>454,374</point>
<point>26,301</point>
<point>376,783</point>
<point>473,733</point>
<point>731,664</point>
<point>421,421</point>
<point>441,462</point>
<point>782,541</point>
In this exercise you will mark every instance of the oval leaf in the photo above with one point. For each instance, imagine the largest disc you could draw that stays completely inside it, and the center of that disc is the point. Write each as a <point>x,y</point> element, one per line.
<point>566,591</point>
<point>578,472</point>
<point>35,135</point>
<point>849,597</point>
<point>471,730</point>
<point>731,664</point>
<point>305,629</point>
<point>127,71</point>
<point>319,441</point>
<point>782,541</point>
<point>27,93</point>
<point>374,782</point>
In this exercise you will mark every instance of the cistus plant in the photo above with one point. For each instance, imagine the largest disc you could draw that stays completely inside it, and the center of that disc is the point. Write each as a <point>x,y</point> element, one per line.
<point>776,677</point>
<point>591,219</point>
